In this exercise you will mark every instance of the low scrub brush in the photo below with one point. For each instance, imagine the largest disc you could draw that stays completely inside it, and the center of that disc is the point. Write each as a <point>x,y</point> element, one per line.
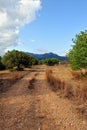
<point>68,89</point>
<point>54,82</point>
<point>76,74</point>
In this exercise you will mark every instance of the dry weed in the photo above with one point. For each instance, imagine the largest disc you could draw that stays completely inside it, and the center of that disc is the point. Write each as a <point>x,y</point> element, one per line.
<point>82,111</point>
<point>31,83</point>
<point>79,74</point>
<point>76,74</point>
<point>7,79</point>
<point>68,90</point>
<point>81,93</point>
<point>54,82</point>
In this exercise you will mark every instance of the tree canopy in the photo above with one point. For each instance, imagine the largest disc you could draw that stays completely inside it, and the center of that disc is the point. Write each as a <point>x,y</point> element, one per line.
<point>78,54</point>
<point>17,59</point>
<point>50,61</point>
<point>1,64</point>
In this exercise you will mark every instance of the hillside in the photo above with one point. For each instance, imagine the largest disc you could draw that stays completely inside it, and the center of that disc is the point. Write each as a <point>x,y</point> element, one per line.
<point>47,55</point>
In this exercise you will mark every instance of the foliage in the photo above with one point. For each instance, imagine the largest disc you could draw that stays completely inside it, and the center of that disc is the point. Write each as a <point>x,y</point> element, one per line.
<point>2,67</point>
<point>33,60</point>
<point>17,59</point>
<point>78,54</point>
<point>49,61</point>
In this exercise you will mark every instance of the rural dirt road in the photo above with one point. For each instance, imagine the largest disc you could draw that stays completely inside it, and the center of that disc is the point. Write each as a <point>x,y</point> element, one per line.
<point>35,106</point>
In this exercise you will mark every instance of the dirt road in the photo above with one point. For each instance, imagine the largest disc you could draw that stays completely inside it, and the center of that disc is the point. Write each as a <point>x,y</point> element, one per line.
<point>36,107</point>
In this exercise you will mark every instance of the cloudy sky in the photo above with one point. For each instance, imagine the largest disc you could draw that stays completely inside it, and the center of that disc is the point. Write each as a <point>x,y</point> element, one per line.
<point>41,26</point>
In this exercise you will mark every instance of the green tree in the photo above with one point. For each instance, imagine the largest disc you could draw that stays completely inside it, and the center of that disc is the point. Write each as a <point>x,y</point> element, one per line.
<point>33,60</point>
<point>17,59</point>
<point>49,61</point>
<point>2,67</point>
<point>78,54</point>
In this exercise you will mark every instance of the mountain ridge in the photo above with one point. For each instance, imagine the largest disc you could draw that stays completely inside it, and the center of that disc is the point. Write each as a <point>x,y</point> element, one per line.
<point>47,55</point>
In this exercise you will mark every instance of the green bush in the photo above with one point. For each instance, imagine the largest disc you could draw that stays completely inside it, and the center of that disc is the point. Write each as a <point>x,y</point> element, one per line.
<point>78,54</point>
<point>18,59</point>
<point>50,61</point>
<point>2,67</point>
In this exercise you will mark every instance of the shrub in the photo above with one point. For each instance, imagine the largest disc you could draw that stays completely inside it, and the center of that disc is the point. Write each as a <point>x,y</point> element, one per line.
<point>54,82</point>
<point>76,74</point>
<point>68,90</point>
<point>18,59</point>
<point>79,74</point>
<point>2,67</point>
<point>78,54</point>
<point>50,61</point>
<point>81,92</point>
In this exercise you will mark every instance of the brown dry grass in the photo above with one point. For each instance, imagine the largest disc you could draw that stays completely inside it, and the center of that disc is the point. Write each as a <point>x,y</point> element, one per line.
<point>70,82</point>
<point>54,82</point>
<point>77,86</point>
<point>57,84</point>
<point>79,74</point>
<point>72,85</point>
<point>8,78</point>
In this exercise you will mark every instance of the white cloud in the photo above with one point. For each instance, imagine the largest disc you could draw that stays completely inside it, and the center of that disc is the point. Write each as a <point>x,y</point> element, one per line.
<point>13,15</point>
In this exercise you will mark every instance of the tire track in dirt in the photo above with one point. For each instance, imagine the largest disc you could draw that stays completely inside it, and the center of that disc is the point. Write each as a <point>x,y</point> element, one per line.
<point>31,105</point>
<point>16,109</point>
<point>53,112</point>
<point>39,91</point>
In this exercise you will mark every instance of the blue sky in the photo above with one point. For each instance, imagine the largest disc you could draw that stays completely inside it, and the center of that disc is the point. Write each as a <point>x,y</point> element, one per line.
<point>54,26</point>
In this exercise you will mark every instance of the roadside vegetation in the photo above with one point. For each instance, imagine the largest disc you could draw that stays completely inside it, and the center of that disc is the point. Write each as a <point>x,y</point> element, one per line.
<point>49,61</point>
<point>2,67</point>
<point>17,60</point>
<point>67,85</point>
<point>8,78</point>
<point>78,54</point>
<point>61,80</point>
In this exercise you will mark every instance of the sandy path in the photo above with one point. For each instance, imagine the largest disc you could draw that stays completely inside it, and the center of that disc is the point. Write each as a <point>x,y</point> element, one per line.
<point>39,108</point>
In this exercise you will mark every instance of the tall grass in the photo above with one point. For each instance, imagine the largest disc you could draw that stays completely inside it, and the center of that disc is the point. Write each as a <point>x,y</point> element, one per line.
<point>7,79</point>
<point>54,82</point>
<point>81,93</point>
<point>68,89</point>
<point>79,74</point>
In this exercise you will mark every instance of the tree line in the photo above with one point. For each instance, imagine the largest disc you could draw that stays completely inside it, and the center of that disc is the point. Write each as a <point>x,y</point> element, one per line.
<point>18,60</point>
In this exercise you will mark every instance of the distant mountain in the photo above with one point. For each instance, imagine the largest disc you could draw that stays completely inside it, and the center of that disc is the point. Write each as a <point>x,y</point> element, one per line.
<point>47,55</point>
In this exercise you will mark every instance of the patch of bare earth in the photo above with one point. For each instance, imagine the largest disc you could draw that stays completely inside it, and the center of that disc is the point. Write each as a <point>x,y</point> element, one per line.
<point>30,104</point>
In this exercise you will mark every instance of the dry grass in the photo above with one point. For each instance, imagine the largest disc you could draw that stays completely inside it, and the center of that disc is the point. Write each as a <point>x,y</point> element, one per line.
<point>72,85</point>
<point>61,78</point>
<point>81,93</point>
<point>7,79</point>
<point>79,74</point>
<point>82,111</point>
<point>12,75</point>
<point>54,82</point>
<point>58,84</point>
<point>76,74</point>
